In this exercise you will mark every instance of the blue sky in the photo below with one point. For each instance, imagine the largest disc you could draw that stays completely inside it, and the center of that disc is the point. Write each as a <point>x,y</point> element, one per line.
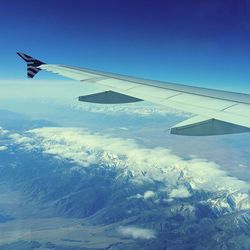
<point>204,43</point>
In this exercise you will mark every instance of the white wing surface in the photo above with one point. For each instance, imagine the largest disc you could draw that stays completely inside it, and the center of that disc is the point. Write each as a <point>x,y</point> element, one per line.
<point>217,111</point>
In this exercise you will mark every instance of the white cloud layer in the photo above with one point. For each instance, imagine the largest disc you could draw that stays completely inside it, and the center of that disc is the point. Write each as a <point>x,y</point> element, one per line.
<point>139,109</point>
<point>136,232</point>
<point>141,163</point>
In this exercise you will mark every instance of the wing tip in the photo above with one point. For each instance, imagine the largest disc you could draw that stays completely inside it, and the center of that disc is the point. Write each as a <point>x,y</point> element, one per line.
<point>32,64</point>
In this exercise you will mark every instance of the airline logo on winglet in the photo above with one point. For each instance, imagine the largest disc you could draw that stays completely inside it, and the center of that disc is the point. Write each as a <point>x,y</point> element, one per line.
<point>32,64</point>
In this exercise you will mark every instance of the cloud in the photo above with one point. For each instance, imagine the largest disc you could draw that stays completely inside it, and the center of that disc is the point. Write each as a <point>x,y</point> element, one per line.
<point>180,192</point>
<point>3,131</point>
<point>149,194</point>
<point>139,109</point>
<point>136,232</point>
<point>2,148</point>
<point>143,164</point>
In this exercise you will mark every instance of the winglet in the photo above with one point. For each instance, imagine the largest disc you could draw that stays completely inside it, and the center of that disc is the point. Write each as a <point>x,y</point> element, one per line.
<point>32,64</point>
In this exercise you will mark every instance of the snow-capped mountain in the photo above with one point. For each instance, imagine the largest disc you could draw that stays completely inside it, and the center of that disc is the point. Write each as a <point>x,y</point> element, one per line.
<point>111,181</point>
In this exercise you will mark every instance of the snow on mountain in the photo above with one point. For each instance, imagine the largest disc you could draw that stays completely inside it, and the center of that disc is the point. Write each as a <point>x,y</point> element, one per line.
<point>177,178</point>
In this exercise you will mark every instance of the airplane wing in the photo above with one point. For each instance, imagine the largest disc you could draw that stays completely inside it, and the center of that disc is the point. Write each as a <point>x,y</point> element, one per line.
<point>216,112</point>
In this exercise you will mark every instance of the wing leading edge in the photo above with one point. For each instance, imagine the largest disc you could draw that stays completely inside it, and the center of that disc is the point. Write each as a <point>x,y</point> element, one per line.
<point>217,111</point>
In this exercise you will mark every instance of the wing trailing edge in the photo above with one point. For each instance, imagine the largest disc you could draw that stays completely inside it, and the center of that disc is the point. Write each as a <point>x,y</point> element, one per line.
<point>204,126</point>
<point>108,97</point>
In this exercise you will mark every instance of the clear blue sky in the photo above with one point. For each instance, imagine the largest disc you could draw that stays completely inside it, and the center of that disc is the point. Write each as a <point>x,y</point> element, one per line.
<point>189,41</point>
